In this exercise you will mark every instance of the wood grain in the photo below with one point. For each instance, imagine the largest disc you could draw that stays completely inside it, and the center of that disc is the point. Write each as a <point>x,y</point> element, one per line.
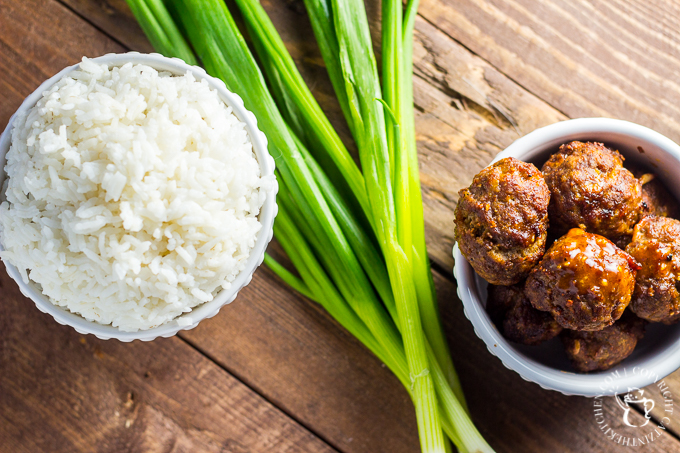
<point>115,19</point>
<point>616,58</point>
<point>466,112</point>
<point>63,392</point>
<point>334,386</point>
<point>666,395</point>
<point>287,349</point>
<point>291,352</point>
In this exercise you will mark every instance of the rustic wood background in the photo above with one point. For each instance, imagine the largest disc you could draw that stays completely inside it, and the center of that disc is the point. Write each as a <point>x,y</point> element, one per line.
<point>273,372</point>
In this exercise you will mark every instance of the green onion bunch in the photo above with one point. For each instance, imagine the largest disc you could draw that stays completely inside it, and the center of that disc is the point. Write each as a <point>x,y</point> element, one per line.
<point>355,235</point>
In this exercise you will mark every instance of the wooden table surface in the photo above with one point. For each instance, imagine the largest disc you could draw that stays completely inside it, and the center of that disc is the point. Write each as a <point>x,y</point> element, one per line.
<point>273,372</point>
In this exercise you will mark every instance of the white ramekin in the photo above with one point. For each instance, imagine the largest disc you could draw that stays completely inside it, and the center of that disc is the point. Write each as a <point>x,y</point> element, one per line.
<point>267,215</point>
<point>658,354</point>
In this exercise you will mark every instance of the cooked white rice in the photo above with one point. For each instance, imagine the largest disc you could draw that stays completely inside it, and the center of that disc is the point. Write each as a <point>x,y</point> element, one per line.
<point>132,195</point>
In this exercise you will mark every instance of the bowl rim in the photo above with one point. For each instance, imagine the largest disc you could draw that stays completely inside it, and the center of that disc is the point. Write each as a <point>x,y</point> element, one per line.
<point>566,382</point>
<point>267,214</point>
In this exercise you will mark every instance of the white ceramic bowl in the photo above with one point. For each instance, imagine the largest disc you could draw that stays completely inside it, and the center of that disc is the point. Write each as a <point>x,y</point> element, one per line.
<point>267,215</point>
<point>658,354</point>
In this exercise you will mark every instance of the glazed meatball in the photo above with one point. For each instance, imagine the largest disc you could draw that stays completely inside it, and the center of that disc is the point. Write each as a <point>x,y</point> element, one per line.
<point>517,319</point>
<point>502,219</point>
<point>656,245</point>
<point>590,189</point>
<point>584,280</point>
<point>601,350</point>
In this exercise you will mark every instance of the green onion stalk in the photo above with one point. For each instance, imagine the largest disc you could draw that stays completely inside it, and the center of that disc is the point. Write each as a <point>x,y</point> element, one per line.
<point>355,236</point>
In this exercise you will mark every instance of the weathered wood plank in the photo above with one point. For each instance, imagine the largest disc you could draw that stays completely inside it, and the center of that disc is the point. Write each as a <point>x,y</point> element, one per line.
<point>115,19</point>
<point>76,393</point>
<point>586,58</point>
<point>466,112</point>
<point>319,373</point>
<point>40,49</point>
<point>351,421</point>
<point>666,396</point>
<point>268,334</point>
<point>293,353</point>
<point>60,391</point>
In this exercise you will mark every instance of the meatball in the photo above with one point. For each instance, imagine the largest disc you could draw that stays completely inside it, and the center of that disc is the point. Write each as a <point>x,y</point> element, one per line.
<point>500,299</point>
<point>502,219</point>
<point>590,189</point>
<point>526,325</point>
<point>655,198</point>
<point>656,245</point>
<point>584,280</point>
<point>517,319</point>
<point>601,350</point>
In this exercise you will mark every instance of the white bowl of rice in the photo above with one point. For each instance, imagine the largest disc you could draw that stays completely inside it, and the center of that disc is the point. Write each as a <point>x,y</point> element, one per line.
<point>138,196</point>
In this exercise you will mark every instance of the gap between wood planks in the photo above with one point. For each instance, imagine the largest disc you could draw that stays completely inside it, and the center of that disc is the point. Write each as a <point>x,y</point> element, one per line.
<point>192,344</point>
<point>436,267</point>
<point>181,336</point>
<point>241,379</point>
<point>670,430</point>
<point>93,25</point>
<point>445,273</point>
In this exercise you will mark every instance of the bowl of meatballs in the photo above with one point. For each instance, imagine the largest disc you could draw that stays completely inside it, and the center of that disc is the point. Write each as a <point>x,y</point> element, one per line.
<point>567,256</point>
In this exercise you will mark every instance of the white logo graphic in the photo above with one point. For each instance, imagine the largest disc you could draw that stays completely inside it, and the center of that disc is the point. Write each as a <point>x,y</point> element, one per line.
<point>640,426</point>
<point>635,396</point>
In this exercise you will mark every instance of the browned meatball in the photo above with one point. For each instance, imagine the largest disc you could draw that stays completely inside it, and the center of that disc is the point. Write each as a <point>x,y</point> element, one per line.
<point>502,219</point>
<point>511,311</point>
<point>656,245</point>
<point>655,198</point>
<point>526,325</point>
<point>590,189</point>
<point>584,280</point>
<point>601,350</point>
